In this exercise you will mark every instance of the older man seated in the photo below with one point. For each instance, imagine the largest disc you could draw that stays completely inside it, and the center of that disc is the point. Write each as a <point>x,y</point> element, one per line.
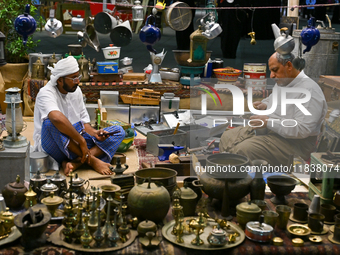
<point>299,133</point>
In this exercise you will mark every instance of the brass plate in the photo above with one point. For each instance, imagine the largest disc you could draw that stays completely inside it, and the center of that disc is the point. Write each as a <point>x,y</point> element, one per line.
<point>57,238</point>
<point>298,230</point>
<point>166,232</point>
<point>331,238</point>
<point>14,235</point>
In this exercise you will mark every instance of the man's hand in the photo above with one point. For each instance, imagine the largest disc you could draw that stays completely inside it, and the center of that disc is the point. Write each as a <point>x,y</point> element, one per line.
<point>258,105</point>
<point>86,153</point>
<point>100,134</point>
<point>259,121</point>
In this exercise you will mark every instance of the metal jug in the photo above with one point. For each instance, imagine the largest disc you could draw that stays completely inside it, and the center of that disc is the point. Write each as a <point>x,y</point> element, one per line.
<point>25,24</point>
<point>84,68</point>
<point>310,35</point>
<point>54,27</point>
<point>38,70</point>
<point>284,43</point>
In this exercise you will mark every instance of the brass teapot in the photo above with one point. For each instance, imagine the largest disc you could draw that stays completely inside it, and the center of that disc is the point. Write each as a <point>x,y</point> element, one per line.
<point>83,68</point>
<point>47,188</point>
<point>37,181</point>
<point>14,194</point>
<point>78,185</point>
<point>60,181</point>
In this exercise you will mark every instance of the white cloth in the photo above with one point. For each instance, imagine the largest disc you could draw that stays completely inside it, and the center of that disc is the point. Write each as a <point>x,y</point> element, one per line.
<point>50,99</point>
<point>63,68</point>
<point>307,125</point>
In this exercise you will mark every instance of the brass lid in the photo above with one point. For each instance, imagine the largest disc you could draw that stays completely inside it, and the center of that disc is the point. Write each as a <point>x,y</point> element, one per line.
<point>187,193</point>
<point>58,177</point>
<point>147,224</point>
<point>278,241</point>
<point>315,239</point>
<point>299,230</point>
<point>17,184</point>
<point>7,214</point>
<point>298,242</point>
<point>38,62</point>
<point>49,186</point>
<point>77,180</point>
<point>52,200</point>
<point>38,177</point>
<point>30,193</point>
<point>248,207</point>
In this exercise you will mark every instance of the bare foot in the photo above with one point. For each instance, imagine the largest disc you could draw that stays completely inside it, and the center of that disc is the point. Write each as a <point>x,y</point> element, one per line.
<point>100,166</point>
<point>71,166</point>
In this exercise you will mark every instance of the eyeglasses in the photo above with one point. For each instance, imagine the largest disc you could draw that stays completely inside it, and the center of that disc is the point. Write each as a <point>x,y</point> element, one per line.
<point>75,80</point>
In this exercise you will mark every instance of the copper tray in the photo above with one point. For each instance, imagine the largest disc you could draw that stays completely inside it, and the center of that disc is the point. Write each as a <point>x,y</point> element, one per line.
<point>166,232</point>
<point>57,238</point>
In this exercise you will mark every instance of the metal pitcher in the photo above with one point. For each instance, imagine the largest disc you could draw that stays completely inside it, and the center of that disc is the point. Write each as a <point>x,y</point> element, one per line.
<point>84,68</point>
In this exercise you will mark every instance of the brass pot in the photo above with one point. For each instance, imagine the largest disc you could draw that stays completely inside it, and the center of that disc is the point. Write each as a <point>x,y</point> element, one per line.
<point>8,220</point>
<point>213,183</point>
<point>109,190</point>
<point>188,200</point>
<point>147,201</point>
<point>37,181</point>
<point>78,185</point>
<point>14,194</point>
<point>146,226</point>
<point>246,212</point>
<point>52,202</point>
<point>60,181</point>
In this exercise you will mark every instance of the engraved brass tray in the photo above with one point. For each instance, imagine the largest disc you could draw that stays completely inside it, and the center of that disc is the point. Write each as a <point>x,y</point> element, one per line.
<point>57,238</point>
<point>166,232</point>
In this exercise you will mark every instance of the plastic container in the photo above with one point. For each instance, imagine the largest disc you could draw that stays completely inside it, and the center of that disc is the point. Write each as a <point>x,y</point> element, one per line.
<point>111,52</point>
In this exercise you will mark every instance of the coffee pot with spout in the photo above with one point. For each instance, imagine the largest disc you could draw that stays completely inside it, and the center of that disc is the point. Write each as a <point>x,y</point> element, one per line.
<point>284,43</point>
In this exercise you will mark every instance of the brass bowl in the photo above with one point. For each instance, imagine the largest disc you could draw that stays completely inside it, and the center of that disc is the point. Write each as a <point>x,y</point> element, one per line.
<point>109,189</point>
<point>281,185</point>
<point>298,230</point>
<point>181,57</point>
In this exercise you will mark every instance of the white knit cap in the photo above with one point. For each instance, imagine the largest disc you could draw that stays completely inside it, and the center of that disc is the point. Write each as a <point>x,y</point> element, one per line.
<point>63,68</point>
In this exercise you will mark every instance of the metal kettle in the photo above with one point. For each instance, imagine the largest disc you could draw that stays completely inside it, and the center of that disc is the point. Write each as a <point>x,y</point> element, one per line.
<point>211,28</point>
<point>150,34</point>
<point>54,27</point>
<point>310,35</point>
<point>83,68</point>
<point>25,24</point>
<point>284,43</point>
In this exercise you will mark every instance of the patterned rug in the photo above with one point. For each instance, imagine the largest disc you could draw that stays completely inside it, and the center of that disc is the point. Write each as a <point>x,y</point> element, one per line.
<point>143,155</point>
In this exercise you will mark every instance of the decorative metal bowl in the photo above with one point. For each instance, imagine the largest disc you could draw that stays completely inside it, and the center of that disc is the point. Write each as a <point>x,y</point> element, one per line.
<point>181,57</point>
<point>281,185</point>
<point>298,230</point>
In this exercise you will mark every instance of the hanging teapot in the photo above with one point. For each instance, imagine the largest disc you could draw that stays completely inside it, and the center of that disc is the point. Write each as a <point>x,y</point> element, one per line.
<point>211,28</point>
<point>310,35</point>
<point>284,43</point>
<point>150,34</point>
<point>54,27</point>
<point>25,24</point>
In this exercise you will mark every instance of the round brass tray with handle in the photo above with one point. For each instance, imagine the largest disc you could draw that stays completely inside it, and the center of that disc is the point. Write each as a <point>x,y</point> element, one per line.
<point>166,232</point>
<point>57,238</point>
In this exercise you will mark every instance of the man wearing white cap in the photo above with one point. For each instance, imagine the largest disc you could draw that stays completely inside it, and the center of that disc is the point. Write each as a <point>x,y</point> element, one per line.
<point>61,124</point>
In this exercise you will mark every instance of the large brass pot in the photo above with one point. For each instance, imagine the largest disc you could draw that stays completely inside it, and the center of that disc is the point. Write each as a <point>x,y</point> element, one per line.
<point>238,183</point>
<point>147,201</point>
<point>164,176</point>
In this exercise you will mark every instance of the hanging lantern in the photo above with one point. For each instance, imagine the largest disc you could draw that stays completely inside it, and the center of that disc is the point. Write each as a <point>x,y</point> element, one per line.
<point>137,12</point>
<point>2,49</point>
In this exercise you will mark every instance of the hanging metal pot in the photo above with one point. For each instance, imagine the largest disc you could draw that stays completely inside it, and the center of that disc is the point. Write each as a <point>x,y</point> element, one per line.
<point>25,24</point>
<point>150,34</point>
<point>78,23</point>
<point>54,27</point>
